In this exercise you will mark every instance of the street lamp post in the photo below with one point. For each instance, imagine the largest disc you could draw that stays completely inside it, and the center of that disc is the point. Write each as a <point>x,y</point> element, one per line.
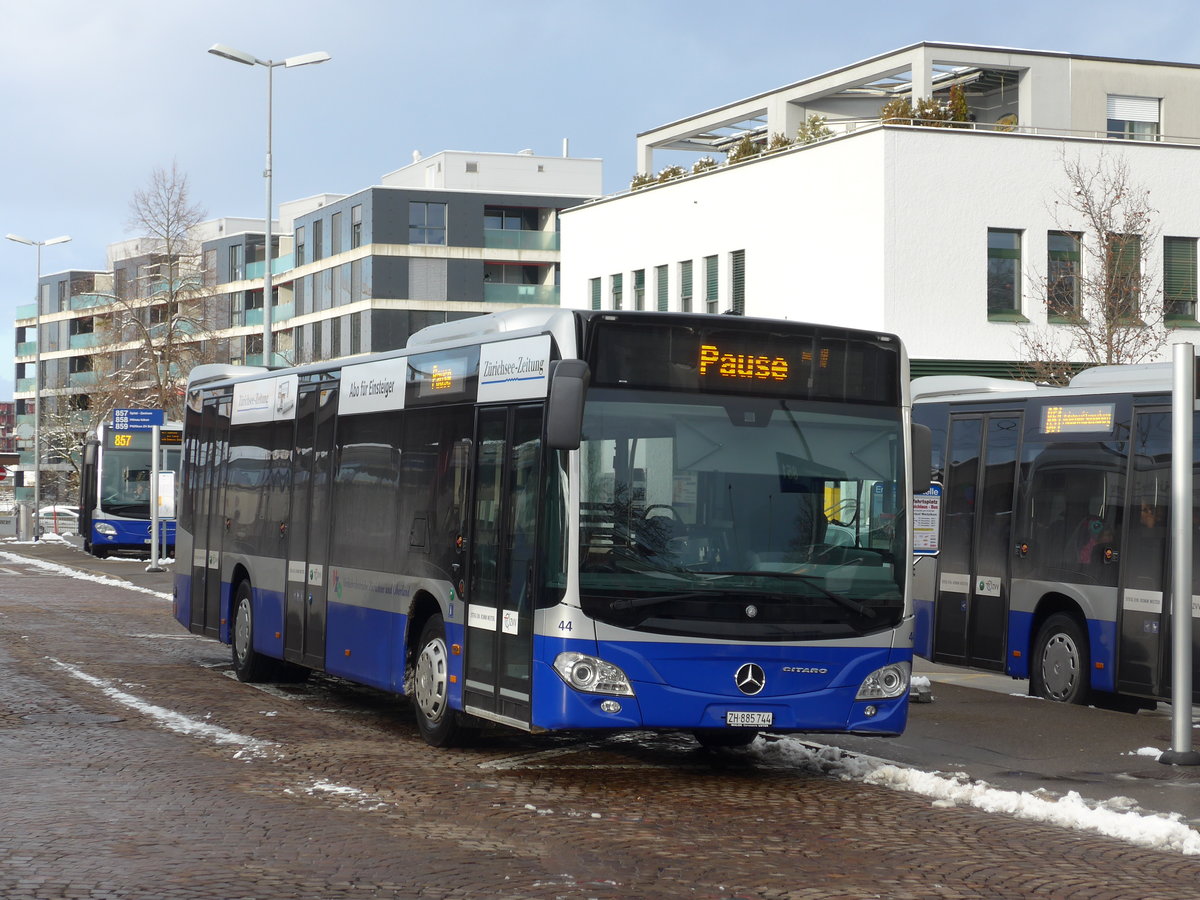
<point>37,376</point>
<point>306,59</point>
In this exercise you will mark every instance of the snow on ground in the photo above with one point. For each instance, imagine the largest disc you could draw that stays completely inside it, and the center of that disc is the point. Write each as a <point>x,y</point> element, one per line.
<point>1116,818</point>
<point>169,718</point>
<point>56,569</point>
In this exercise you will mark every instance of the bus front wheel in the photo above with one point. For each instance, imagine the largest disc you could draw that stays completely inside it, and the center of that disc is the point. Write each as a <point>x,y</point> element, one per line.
<point>1061,661</point>
<point>439,725</point>
<point>249,665</point>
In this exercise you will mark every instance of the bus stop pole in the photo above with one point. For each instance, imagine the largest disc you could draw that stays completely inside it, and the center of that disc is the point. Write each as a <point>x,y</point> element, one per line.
<point>155,439</point>
<point>1183,404</point>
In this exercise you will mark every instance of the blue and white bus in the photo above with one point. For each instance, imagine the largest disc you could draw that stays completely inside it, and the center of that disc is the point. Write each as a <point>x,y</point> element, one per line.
<point>1052,553</point>
<point>555,519</point>
<point>115,489</point>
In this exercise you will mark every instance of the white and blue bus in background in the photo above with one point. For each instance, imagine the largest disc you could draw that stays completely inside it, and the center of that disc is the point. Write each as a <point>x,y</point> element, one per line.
<point>554,519</point>
<point>115,489</point>
<point>1052,553</point>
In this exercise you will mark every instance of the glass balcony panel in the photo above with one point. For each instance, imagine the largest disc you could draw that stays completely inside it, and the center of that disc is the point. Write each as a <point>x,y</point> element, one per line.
<point>517,239</point>
<point>283,312</point>
<point>87,301</point>
<point>27,311</point>
<point>27,348</point>
<point>527,294</point>
<point>252,317</point>
<point>24,385</point>
<point>81,379</point>
<point>80,341</point>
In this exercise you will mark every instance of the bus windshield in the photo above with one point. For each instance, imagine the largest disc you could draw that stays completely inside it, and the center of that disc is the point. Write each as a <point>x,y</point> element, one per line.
<point>732,516</point>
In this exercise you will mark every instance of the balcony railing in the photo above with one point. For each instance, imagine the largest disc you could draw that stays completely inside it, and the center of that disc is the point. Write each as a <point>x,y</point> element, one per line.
<point>80,341</point>
<point>27,311</point>
<point>87,301</point>
<point>81,379</point>
<point>517,239</point>
<point>27,348</point>
<point>24,384</point>
<point>279,265</point>
<point>528,294</point>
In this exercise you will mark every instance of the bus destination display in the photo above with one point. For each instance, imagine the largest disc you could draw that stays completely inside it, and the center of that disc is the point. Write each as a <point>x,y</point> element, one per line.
<point>141,440</point>
<point>1080,417</point>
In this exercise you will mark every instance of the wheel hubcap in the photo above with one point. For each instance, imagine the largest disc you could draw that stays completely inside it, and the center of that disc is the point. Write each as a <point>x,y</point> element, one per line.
<point>1060,666</point>
<point>241,629</point>
<point>432,680</point>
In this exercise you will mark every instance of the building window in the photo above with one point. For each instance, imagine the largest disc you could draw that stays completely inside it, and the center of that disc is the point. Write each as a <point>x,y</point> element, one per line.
<point>660,277</point>
<point>62,296</point>
<point>711,297</point>
<point>737,281</point>
<point>1062,274</point>
<point>335,338</point>
<point>594,286</point>
<point>685,286</point>
<point>317,352</point>
<point>1124,270</point>
<point>236,262</point>
<point>299,252</point>
<point>318,239</point>
<point>356,226</point>
<point>618,283</point>
<point>1133,118</point>
<point>1003,272</point>
<point>1179,277</point>
<point>356,333</point>
<point>639,289</point>
<point>426,223</point>
<point>335,234</point>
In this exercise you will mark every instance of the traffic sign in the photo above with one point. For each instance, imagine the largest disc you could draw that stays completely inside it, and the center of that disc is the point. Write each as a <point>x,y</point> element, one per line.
<point>137,419</point>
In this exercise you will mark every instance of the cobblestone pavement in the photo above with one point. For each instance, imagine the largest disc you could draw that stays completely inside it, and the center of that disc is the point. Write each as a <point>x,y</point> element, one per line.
<point>132,766</point>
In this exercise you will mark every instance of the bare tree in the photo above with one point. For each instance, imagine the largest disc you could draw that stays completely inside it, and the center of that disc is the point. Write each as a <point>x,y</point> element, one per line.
<point>1102,298</point>
<point>162,315</point>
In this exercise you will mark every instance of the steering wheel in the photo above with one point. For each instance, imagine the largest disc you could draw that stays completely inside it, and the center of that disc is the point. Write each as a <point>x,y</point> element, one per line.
<point>674,512</point>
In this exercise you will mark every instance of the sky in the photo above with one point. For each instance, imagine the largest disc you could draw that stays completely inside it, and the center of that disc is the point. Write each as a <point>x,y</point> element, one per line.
<point>96,96</point>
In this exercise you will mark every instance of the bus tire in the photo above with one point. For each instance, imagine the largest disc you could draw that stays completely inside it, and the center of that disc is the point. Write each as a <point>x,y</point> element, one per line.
<point>1061,661</point>
<point>724,738</point>
<point>249,665</point>
<point>439,725</point>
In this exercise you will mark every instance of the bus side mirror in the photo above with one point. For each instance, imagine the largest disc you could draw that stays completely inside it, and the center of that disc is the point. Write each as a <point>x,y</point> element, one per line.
<point>922,457</point>
<point>569,380</point>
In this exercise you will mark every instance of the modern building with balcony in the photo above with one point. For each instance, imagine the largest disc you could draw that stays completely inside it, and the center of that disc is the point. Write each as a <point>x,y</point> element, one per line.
<point>949,236</point>
<point>449,236</point>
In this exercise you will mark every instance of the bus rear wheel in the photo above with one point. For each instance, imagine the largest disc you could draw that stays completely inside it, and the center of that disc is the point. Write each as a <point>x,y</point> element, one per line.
<point>1061,661</point>
<point>439,725</point>
<point>249,665</point>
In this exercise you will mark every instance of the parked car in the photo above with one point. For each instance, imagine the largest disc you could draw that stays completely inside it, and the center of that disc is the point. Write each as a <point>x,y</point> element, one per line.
<point>59,520</point>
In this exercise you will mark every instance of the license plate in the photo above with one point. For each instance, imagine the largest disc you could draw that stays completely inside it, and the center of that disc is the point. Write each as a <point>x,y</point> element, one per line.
<point>749,719</point>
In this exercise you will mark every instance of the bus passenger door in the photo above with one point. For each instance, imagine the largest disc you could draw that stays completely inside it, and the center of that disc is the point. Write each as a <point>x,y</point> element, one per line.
<point>499,633</point>
<point>208,505</point>
<point>973,577</point>
<point>1145,571</point>
<point>308,527</point>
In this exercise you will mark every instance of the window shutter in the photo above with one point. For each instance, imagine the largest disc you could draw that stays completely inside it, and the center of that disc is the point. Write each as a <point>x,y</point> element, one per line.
<point>737,277</point>
<point>1133,109</point>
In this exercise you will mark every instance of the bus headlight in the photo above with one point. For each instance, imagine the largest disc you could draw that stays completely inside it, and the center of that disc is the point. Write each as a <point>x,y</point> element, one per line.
<point>105,529</point>
<point>883,684</point>
<point>591,674</point>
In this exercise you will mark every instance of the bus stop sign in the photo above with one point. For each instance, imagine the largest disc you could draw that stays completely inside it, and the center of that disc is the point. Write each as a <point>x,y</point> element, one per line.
<point>137,419</point>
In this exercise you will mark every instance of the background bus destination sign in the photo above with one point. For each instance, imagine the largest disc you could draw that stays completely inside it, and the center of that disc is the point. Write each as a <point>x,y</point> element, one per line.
<point>137,419</point>
<point>1064,419</point>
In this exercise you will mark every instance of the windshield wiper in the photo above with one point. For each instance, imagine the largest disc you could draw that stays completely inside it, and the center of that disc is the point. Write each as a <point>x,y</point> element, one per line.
<point>655,599</point>
<point>846,602</point>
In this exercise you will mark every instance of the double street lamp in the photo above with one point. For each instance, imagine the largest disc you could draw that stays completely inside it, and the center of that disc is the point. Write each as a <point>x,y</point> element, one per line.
<point>37,377</point>
<point>306,59</point>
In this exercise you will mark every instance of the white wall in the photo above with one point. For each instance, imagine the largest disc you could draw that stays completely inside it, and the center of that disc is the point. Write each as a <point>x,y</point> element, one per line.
<point>884,229</point>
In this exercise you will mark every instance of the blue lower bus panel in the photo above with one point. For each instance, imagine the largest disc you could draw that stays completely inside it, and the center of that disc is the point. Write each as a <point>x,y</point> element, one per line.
<point>682,686</point>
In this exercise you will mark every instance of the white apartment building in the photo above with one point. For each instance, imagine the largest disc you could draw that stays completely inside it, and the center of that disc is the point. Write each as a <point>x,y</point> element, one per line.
<point>895,227</point>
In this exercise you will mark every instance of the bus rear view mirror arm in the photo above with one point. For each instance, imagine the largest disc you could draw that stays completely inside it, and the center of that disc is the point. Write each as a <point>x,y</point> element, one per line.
<point>569,380</point>
<point>922,457</point>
